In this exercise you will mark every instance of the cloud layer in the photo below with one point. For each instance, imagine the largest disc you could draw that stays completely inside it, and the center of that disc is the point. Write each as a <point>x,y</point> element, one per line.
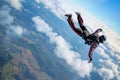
<point>54,6</point>
<point>7,20</point>
<point>63,48</point>
<point>17,4</point>
<point>17,29</point>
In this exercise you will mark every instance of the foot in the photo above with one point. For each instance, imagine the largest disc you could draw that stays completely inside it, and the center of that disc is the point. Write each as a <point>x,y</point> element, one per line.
<point>77,13</point>
<point>68,15</point>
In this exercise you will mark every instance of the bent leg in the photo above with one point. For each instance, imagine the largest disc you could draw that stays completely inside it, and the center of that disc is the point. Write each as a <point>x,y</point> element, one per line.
<point>70,21</point>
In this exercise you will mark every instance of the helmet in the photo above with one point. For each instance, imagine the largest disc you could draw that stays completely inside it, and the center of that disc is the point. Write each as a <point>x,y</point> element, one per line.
<point>102,38</point>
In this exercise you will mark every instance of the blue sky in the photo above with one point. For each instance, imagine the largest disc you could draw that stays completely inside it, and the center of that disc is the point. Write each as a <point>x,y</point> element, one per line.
<point>108,11</point>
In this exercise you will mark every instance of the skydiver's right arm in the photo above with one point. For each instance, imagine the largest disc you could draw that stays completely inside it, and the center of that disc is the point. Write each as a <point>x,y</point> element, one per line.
<point>92,48</point>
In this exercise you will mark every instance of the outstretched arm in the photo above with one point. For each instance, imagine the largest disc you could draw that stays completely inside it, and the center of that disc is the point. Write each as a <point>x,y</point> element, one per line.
<point>92,48</point>
<point>97,31</point>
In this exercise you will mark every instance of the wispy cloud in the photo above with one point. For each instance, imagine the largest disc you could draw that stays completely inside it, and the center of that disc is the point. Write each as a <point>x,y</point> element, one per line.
<point>17,29</point>
<point>109,70</point>
<point>63,49</point>
<point>7,20</point>
<point>5,17</point>
<point>54,5</point>
<point>102,53</point>
<point>17,4</point>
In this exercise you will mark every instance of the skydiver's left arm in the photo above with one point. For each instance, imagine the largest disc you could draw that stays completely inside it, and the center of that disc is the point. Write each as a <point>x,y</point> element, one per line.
<point>92,48</point>
<point>97,31</point>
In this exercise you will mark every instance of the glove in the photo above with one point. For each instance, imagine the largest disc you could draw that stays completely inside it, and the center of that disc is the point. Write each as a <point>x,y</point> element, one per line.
<point>90,60</point>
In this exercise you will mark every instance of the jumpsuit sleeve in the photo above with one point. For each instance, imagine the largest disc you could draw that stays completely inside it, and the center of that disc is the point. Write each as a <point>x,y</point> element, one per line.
<point>97,31</point>
<point>92,48</point>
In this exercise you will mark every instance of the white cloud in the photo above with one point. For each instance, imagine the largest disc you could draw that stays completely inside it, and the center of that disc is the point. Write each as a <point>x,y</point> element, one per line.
<point>117,56</point>
<point>109,70</point>
<point>38,1</point>
<point>102,53</point>
<point>17,4</point>
<point>7,20</point>
<point>107,74</point>
<point>18,29</point>
<point>5,17</point>
<point>54,6</point>
<point>64,49</point>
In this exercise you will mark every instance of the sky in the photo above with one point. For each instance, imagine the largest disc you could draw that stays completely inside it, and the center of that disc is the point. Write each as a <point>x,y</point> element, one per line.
<point>106,11</point>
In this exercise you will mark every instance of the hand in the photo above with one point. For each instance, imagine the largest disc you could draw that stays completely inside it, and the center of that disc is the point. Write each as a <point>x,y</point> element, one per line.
<point>90,60</point>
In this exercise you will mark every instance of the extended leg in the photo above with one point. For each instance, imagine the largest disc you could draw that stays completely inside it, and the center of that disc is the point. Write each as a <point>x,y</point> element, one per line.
<point>86,33</point>
<point>80,21</point>
<point>70,21</point>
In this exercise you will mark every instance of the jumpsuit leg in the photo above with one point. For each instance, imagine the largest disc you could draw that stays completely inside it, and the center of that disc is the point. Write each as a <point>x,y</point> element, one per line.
<point>78,31</point>
<point>84,29</point>
<point>80,21</point>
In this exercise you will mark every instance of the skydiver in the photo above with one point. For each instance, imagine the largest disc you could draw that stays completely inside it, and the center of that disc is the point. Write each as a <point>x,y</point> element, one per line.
<point>91,39</point>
